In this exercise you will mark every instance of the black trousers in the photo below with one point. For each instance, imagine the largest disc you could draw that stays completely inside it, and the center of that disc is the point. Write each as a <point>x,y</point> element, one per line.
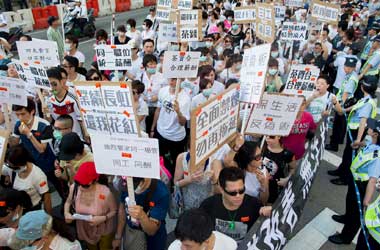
<point>149,119</point>
<point>352,216</point>
<point>339,130</point>
<point>344,167</point>
<point>59,184</point>
<point>362,244</point>
<point>8,5</point>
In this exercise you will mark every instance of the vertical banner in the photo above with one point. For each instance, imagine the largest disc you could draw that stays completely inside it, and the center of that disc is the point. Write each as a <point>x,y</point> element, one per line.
<point>114,57</point>
<point>274,115</point>
<point>253,71</point>
<point>245,14</point>
<point>325,12</point>
<point>212,124</point>
<point>42,51</point>
<point>292,31</point>
<point>265,22</point>
<point>181,64</point>
<point>189,27</point>
<point>107,108</point>
<point>301,80</point>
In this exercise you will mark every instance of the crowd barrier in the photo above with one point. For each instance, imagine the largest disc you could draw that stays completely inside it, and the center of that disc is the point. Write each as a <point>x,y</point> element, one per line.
<point>122,5</point>
<point>149,3</point>
<point>93,4</point>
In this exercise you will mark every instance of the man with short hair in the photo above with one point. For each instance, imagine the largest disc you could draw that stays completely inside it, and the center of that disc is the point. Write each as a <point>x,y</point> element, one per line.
<point>234,211</point>
<point>54,35</point>
<point>148,48</point>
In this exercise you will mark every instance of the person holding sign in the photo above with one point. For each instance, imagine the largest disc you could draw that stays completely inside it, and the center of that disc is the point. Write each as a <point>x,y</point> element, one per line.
<point>371,66</point>
<point>208,72</point>
<point>273,81</point>
<point>205,88</point>
<point>121,37</point>
<point>71,49</point>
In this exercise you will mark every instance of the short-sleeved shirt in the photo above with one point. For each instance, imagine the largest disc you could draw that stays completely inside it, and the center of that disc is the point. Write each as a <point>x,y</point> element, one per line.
<point>159,206</point>
<point>339,63</point>
<point>152,85</point>
<point>362,112</point>
<point>371,167</point>
<point>350,86</point>
<point>43,160</point>
<point>320,104</point>
<point>142,109</point>
<point>374,60</point>
<point>222,241</point>
<point>217,87</point>
<point>243,218</point>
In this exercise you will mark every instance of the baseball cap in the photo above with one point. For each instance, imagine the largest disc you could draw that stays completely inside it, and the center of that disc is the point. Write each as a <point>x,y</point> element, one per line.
<point>70,146</point>
<point>86,173</point>
<point>373,124</point>
<point>31,225</point>
<point>350,62</point>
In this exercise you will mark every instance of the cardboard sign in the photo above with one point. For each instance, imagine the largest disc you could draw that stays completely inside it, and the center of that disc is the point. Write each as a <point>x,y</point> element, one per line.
<point>107,108</point>
<point>32,73</point>
<point>292,31</point>
<point>114,57</point>
<point>167,32</point>
<point>246,14</point>
<point>301,80</point>
<point>13,91</point>
<point>4,135</point>
<point>42,51</point>
<point>253,72</point>
<point>294,3</point>
<point>126,156</point>
<point>265,22</point>
<point>181,64</point>
<point>189,27</point>
<point>185,4</point>
<point>212,125</point>
<point>274,115</point>
<point>325,12</point>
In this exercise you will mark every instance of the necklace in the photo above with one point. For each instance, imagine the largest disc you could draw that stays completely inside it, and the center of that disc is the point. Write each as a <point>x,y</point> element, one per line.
<point>231,224</point>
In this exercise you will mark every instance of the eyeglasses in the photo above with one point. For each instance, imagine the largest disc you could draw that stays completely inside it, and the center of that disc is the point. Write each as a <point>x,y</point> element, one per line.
<point>234,193</point>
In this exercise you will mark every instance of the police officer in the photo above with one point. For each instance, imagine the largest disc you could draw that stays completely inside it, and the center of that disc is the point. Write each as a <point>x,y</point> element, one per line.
<point>365,168</point>
<point>372,33</point>
<point>371,66</point>
<point>356,121</point>
<point>370,171</point>
<point>346,90</point>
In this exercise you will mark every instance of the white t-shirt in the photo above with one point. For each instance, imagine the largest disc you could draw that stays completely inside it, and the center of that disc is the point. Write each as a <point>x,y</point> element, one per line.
<point>150,34</point>
<point>3,19</point>
<point>152,85</point>
<point>59,243</point>
<point>320,104</point>
<point>79,55</point>
<point>167,123</point>
<point>217,87</point>
<point>136,67</point>
<point>142,109</point>
<point>35,184</point>
<point>198,100</point>
<point>135,36</point>
<point>227,74</point>
<point>222,241</point>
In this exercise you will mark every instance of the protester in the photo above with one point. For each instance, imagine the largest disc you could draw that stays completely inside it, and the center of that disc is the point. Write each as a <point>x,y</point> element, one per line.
<point>71,64</point>
<point>54,35</point>
<point>71,49</point>
<point>121,37</point>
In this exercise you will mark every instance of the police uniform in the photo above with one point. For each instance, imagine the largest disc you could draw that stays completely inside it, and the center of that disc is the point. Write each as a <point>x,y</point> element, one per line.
<point>364,108</point>
<point>368,45</point>
<point>349,85</point>
<point>364,166</point>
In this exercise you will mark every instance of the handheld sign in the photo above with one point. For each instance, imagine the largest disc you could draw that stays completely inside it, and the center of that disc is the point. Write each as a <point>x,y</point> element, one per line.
<point>114,57</point>
<point>292,31</point>
<point>245,14</point>
<point>181,64</point>
<point>325,12</point>
<point>32,73</point>
<point>294,3</point>
<point>189,25</point>
<point>274,115</point>
<point>167,32</point>
<point>301,80</point>
<point>43,51</point>
<point>265,22</point>
<point>13,91</point>
<point>212,124</point>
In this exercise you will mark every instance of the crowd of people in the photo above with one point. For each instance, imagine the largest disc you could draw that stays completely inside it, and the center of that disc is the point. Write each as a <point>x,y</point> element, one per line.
<point>50,150</point>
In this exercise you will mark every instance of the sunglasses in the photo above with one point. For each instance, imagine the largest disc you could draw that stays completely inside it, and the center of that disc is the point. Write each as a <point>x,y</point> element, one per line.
<point>234,193</point>
<point>95,78</point>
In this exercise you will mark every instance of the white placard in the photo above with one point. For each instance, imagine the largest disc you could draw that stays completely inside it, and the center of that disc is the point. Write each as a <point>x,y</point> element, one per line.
<point>168,32</point>
<point>253,71</point>
<point>163,14</point>
<point>164,4</point>
<point>178,64</point>
<point>12,91</point>
<point>325,12</point>
<point>126,156</point>
<point>43,51</point>
<point>293,31</point>
<point>274,115</point>
<point>114,57</point>
<point>301,80</point>
<point>185,4</point>
<point>279,12</point>
<point>189,17</point>
<point>244,14</point>
<point>32,73</point>
<point>294,3</point>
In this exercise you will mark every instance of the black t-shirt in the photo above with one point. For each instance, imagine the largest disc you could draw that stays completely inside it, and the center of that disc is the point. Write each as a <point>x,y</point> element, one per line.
<point>232,223</point>
<point>117,41</point>
<point>276,163</point>
<point>237,37</point>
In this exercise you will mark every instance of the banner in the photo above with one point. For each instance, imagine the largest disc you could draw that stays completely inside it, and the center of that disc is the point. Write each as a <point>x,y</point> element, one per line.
<point>265,22</point>
<point>13,91</point>
<point>246,14</point>
<point>212,124</point>
<point>293,31</point>
<point>107,108</point>
<point>42,51</point>
<point>126,156</point>
<point>180,64</point>
<point>113,57</point>
<point>167,32</point>
<point>325,12</point>
<point>294,3</point>
<point>275,231</point>
<point>189,25</point>
<point>301,80</point>
<point>32,73</point>
<point>253,71</point>
<point>274,115</point>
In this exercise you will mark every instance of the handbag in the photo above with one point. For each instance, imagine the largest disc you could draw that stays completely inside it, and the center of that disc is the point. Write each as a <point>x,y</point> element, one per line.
<point>176,205</point>
<point>135,239</point>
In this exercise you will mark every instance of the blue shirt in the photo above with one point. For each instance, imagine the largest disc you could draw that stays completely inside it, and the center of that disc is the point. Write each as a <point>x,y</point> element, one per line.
<point>43,160</point>
<point>159,206</point>
<point>371,167</point>
<point>363,112</point>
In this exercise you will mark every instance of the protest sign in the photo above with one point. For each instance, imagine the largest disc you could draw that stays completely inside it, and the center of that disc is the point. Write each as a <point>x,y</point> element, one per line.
<point>164,14</point>
<point>32,73</point>
<point>181,64</point>
<point>126,156</point>
<point>246,14</point>
<point>294,3</point>
<point>185,4</point>
<point>13,91</point>
<point>265,22</point>
<point>107,108</point>
<point>279,12</point>
<point>275,231</point>
<point>293,31</point>
<point>168,32</point>
<point>114,57</point>
<point>301,80</point>
<point>189,25</point>
<point>212,124</point>
<point>274,115</point>
<point>4,135</point>
<point>164,4</point>
<point>325,12</point>
<point>43,51</point>
<point>253,71</point>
